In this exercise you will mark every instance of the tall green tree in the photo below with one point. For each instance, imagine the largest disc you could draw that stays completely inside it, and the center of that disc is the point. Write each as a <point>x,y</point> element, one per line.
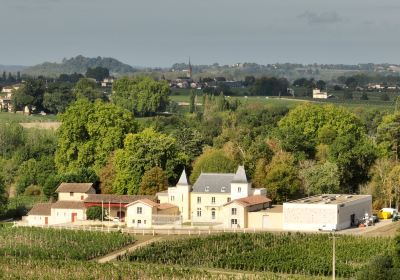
<point>388,136</point>
<point>89,133</point>
<point>30,94</point>
<point>320,178</point>
<point>143,96</point>
<point>87,88</point>
<point>212,161</point>
<point>154,180</point>
<point>141,152</point>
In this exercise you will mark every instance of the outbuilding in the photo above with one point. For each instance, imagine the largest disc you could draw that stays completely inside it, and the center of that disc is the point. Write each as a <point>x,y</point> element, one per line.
<point>326,212</point>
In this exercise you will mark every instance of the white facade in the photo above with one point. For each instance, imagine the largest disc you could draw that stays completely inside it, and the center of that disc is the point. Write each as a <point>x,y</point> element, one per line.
<point>325,212</point>
<point>318,94</point>
<point>38,220</point>
<point>64,216</point>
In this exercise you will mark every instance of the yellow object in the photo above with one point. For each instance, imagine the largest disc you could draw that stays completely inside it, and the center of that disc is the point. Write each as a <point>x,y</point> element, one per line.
<point>384,215</point>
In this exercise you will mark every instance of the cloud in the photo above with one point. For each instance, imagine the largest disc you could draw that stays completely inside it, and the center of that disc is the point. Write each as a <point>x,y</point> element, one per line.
<point>322,18</point>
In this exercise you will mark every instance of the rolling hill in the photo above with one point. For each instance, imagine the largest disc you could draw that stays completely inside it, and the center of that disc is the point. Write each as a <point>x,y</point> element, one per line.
<point>78,64</point>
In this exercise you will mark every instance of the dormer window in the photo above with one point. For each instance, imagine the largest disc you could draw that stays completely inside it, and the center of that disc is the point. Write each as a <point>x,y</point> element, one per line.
<point>223,189</point>
<point>207,189</point>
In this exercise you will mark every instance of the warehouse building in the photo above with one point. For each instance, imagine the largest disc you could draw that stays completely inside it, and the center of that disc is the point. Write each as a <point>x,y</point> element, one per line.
<point>326,212</point>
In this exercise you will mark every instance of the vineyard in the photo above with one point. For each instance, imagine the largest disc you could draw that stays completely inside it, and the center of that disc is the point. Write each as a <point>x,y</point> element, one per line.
<point>305,254</point>
<point>55,244</point>
<point>14,268</point>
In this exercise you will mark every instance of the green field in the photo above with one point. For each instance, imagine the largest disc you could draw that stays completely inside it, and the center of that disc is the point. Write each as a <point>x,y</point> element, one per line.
<point>13,117</point>
<point>305,254</point>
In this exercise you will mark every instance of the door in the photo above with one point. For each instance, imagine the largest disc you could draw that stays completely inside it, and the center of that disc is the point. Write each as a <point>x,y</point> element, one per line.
<point>352,220</point>
<point>46,220</point>
<point>139,223</point>
<point>73,217</point>
<point>121,215</point>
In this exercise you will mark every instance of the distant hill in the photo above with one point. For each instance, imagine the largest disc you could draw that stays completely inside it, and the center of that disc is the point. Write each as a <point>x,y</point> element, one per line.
<point>12,68</point>
<point>79,64</point>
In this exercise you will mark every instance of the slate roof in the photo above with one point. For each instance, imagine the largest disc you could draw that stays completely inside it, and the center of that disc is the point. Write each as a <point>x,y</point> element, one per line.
<point>112,198</point>
<point>240,176</point>
<point>65,204</point>
<point>41,209</point>
<point>214,181</point>
<point>251,200</point>
<point>74,187</point>
<point>183,179</point>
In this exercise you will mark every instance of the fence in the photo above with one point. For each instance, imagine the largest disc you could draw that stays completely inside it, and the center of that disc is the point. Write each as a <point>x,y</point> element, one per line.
<point>153,231</point>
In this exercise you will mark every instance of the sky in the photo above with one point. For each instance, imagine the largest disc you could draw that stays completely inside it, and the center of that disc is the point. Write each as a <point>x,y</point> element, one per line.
<point>163,32</point>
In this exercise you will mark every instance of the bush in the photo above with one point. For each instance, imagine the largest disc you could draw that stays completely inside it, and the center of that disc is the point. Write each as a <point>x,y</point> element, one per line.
<point>95,213</point>
<point>33,190</point>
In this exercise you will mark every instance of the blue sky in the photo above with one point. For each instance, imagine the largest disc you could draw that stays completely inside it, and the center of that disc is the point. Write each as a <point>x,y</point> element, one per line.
<point>162,32</point>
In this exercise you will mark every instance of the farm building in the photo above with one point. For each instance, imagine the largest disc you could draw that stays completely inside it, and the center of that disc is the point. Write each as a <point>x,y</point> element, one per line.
<point>326,212</point>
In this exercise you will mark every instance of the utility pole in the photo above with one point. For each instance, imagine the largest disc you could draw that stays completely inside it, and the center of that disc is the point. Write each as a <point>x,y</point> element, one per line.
<point>333,258</point>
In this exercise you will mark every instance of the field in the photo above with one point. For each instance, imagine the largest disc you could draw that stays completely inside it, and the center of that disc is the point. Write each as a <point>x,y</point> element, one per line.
<point>11,117</point>
<point>304,254</point>
<point>374,101</point>
<point>55,244</point>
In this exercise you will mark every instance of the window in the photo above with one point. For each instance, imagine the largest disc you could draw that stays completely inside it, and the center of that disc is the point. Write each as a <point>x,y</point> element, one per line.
<point>223,189</point>
<point>139,211</point>
<point>234,211</point>
<point>198,212</point>
<point>239,189</point>
<point>144,222</point>
<point>207,189</point>
<point>234,222</point>
<point>213,200</point>
<point>133,221</point>
<point>172,198</point>
<point>81,197</point>
<point>71,194</point>
<point>139,222</point>
<point>213,213</point>
<point>198,199</point>
<point>228,199</point>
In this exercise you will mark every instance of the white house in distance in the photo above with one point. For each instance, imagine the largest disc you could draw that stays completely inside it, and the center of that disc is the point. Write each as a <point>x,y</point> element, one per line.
<point>318,94</point>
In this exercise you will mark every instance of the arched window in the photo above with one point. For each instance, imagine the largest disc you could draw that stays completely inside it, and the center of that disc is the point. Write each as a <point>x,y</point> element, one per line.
<point>213,213</point>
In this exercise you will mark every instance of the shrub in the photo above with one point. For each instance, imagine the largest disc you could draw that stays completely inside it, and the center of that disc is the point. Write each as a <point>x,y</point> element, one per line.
<point>95,213</point>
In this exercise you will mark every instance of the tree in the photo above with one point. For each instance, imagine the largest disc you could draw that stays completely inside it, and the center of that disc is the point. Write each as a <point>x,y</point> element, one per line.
<point>212,160</point>
<point>364,96</point>
<point>320,178</point>
<point>192,103</point>
<point>354,157</point>
<point>379,185</point>
<point>97,73</point>
<point>189,141</point>
<point>57,101</point>
<point>87,88</point>
<point>270,86</point>
<point>3,198</point>
<point>89,133</point>
<point>321,84</point>
<point>107,176</point>
<point>154,180</point>
<point>394,186</point>
<point>388,136</point>
<point>141,152</point>
<point>279,177</point>
<point>30,94</point>
<point>95,213</point>
<point>143,96</point>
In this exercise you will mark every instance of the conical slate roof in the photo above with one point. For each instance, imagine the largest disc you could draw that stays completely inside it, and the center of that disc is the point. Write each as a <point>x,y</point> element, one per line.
<point>183,179</point>
<point>240,176</point>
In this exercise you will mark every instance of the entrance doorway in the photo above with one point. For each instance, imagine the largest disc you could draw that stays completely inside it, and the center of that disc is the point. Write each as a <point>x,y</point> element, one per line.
<point>121,216</point>
<point>73,217</point>
<point>46,220</point>
<point>352,220</point>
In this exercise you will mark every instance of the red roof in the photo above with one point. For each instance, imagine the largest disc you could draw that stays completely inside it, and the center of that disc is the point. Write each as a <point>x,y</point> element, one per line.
<point>251,200</point>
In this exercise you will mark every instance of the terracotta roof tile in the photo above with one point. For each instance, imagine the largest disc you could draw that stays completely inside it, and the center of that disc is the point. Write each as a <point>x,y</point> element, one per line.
<point>41,209</point>
<point>112,198</point>
<point>164,206</point>
<point>251,200</point>
<point>65,204</point>
<point>74,187</point>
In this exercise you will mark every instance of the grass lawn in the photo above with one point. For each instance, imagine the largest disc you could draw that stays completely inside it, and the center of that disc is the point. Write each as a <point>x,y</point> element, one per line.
<point>13,117</point>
